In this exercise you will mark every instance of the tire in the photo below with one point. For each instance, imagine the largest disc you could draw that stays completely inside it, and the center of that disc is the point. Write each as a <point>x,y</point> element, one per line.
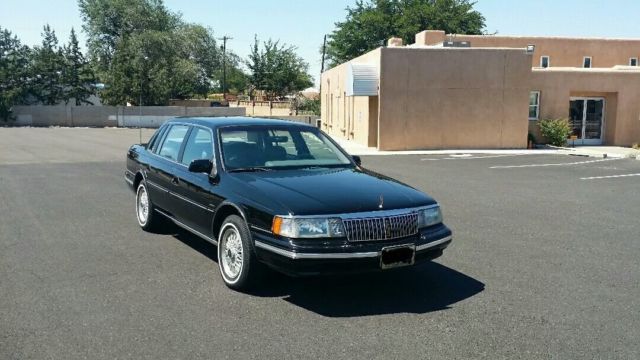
<point>239,266</point>
<point>147,218</point>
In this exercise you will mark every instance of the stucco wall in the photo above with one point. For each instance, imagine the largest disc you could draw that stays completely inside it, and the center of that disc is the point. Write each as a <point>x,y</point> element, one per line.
<point>348,116</point>
<point>621,90</point>
<point>563,52</point>
<point>438,98</point>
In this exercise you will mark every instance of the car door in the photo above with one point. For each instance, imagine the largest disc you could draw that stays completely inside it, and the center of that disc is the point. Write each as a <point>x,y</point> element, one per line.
<point>196,191</point>
<point>162,169</point>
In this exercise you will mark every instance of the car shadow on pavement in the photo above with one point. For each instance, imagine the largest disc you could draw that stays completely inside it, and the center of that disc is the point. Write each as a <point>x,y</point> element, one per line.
<point>420,289</point>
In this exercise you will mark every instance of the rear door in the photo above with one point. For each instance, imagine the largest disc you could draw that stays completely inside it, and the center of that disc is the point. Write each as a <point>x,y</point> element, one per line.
<point>195,191</point>
<point>162,169</point>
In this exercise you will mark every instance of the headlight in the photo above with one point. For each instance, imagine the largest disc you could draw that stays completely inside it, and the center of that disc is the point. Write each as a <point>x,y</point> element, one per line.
<point>307,227</point>
<point>430,216</point>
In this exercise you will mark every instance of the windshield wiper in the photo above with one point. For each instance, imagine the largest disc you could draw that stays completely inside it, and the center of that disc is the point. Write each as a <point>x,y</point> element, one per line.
<point>248,169</point>
<point>326,166</point>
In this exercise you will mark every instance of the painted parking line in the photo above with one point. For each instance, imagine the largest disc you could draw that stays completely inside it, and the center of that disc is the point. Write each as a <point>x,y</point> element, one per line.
<point>609,176</point>
<point>553,164</point>
<point>470,157</point>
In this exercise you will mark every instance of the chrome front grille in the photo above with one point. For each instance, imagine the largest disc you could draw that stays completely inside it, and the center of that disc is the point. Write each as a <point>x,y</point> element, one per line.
<point>381,228</point>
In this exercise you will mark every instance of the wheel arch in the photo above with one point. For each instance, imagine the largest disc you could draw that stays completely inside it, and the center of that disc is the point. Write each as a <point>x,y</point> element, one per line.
<point>137,179</point>
<point>222,212</point>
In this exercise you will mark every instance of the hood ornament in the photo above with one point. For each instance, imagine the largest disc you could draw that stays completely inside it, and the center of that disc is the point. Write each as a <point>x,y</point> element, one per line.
<point>381,203</point>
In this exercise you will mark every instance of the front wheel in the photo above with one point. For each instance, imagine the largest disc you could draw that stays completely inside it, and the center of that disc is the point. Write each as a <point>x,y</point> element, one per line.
<point>236,258</point>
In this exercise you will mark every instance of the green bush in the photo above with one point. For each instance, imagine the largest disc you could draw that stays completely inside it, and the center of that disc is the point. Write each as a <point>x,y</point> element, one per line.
<point>556,131</point>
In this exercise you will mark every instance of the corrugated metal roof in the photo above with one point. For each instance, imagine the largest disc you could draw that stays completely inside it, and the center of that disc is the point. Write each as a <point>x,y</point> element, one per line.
<point>362,80</point>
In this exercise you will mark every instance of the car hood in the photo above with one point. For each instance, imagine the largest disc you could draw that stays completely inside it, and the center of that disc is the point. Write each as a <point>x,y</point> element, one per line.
<point>331,191</point>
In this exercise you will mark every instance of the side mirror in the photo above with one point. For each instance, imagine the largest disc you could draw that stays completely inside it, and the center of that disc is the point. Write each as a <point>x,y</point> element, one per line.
<point>357,160</point>
<point>201,166</point>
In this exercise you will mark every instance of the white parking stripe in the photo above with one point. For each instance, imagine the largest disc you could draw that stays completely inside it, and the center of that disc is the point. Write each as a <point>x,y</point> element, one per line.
<point>473,157</point>
<point>609,176</point>
<point>554,164</point>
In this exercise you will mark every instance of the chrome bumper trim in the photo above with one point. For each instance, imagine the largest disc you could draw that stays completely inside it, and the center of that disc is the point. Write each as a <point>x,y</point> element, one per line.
<point>354,255</point>
<point>433,243</point>
<point>295,255</point>
<point>129,181</point>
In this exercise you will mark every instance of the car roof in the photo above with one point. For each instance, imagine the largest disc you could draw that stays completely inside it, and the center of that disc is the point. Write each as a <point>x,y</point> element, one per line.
<point>216,122</point>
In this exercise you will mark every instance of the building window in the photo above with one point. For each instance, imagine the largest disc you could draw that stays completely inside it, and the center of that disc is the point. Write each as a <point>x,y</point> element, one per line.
<point>586,62</point>
<point>633,61</point>
<point>534,105</point>
<point>544,61</point>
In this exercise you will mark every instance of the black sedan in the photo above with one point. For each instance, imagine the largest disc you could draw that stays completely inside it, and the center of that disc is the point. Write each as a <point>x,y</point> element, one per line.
<point>281,194</point>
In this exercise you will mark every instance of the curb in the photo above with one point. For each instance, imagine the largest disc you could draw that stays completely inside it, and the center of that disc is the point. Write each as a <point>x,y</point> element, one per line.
<point>576,152</point>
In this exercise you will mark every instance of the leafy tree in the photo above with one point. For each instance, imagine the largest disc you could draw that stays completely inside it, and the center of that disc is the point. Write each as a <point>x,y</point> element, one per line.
<point>48,67</point>
<point>237,79</point>
<point>144,52</point>
<point>277,69</point>
<point>14,73</point>
<point>77,78</point>
<point>109,22</point>
<point>369,24</point>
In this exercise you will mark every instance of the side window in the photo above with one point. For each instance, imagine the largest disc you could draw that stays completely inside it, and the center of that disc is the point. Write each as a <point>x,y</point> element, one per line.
<point>173,141</point>
<point>157,139</point>
<point>544,62</point>
<point>199,146</point>
<point>534,105</point>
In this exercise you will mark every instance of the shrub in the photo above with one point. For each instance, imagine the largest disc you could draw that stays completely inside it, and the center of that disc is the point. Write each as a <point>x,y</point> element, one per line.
<point>556,131</point>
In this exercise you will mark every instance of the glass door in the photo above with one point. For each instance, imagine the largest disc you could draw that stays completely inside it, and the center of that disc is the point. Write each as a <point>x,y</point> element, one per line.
<point>586,118</point>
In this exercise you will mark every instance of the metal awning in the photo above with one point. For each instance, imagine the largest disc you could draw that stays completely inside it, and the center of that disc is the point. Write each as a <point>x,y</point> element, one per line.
<point>362,80</point>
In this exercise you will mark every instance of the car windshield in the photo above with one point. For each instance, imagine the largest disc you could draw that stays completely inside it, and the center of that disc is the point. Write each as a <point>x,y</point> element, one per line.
<point>263,147</point>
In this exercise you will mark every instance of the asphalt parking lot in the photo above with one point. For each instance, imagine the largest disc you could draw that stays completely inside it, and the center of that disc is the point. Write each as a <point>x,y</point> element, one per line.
<point>544,264</point>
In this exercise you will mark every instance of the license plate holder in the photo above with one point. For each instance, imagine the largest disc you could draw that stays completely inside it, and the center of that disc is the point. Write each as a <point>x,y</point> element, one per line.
<point>397,256</point>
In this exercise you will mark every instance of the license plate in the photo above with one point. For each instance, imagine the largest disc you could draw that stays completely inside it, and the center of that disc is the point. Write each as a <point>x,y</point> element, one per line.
<point>399,255</point>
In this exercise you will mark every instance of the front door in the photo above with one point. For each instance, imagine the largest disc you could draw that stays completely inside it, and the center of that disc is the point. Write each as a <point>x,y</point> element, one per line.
<point>586,117</point>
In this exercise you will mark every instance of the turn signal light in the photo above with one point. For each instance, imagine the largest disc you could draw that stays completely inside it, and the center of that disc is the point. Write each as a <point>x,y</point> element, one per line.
<point>276,225</point>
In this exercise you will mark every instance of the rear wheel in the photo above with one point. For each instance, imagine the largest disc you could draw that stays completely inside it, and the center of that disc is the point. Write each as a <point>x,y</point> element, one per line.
<point>147,218</point>
<point>238,264</point>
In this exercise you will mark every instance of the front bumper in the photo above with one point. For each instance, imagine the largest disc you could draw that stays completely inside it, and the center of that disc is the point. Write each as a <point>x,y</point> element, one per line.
<point>314,257</point>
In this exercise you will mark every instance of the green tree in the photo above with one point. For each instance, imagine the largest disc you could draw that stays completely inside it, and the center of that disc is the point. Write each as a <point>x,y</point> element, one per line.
<point>78,79</point>
<point>47,70</point>
<point>14,73</point>
<point>143,52</point>
<point>109,22</point>
<point>277,69</point>
<point>369,24</point>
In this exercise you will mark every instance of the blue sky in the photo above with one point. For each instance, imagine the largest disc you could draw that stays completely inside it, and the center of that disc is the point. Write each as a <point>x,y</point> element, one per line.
<point>304,22</point>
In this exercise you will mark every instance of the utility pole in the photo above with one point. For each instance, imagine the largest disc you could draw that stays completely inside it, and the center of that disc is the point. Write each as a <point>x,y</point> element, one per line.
<point>224,65</point>
<point>324,51</point>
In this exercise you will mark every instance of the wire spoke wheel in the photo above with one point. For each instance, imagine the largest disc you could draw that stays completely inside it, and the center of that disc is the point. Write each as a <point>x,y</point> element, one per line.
<point>231,252</point>
<point>142,205</point>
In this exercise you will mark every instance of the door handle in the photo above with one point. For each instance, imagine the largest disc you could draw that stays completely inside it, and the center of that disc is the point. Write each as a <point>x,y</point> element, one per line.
<point>175,181</point>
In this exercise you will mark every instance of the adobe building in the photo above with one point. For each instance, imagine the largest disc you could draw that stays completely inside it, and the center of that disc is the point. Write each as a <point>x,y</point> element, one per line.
<point>484,91</point>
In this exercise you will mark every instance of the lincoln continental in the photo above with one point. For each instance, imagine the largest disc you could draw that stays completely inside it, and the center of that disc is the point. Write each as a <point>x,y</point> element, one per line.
<point>279,194</point>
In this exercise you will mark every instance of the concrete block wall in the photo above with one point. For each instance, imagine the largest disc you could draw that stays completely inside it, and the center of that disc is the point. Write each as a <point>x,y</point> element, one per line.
<point>111,116</point>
